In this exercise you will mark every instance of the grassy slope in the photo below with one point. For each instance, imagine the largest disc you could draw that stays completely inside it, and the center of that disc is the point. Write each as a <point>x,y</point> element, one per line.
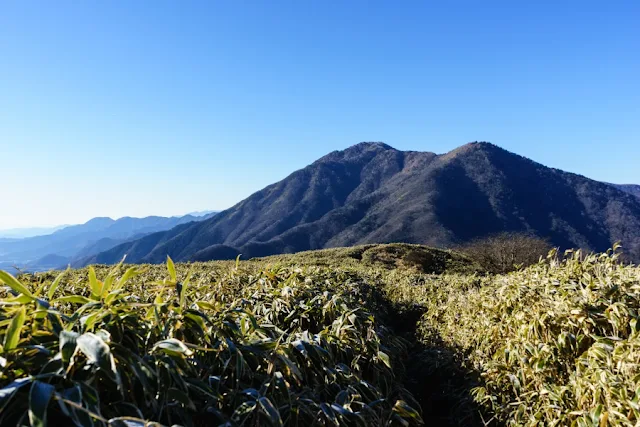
<point>417,258</point>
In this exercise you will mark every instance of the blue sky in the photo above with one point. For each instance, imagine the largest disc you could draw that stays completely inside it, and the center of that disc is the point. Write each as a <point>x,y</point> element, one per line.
<point>164,107</point>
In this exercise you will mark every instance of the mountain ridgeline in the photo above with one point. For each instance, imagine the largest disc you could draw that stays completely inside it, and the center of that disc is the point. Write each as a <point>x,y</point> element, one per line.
<point>629,188</point>
<point>73,244</point>
<point>373,193</point>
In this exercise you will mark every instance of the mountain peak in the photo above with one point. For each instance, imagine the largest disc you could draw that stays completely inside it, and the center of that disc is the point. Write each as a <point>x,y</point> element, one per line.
<point>482,145</point>
<point>374,144</point>
<point>365,147</point>
<point>474,147</point>
<point>357,151</point>
<point>99,220</point>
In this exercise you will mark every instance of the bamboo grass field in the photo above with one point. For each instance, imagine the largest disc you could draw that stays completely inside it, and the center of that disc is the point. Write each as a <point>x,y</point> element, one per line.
<point>374,335</point>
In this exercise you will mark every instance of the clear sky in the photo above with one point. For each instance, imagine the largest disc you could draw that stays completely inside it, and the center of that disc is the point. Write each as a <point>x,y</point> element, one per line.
<point>113,108</point>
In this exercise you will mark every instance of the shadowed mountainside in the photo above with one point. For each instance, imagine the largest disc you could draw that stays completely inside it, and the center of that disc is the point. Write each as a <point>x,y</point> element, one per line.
<point>373,193</point>
<point>629,188</point>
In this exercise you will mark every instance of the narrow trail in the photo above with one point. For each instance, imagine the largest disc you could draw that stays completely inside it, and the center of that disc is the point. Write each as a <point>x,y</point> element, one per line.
<point>432,373</point>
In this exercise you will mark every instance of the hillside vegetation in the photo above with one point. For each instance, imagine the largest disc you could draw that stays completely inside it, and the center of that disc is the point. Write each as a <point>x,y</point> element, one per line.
<point>418,258</point>
<point>370,335</point>
<point>629,188</point>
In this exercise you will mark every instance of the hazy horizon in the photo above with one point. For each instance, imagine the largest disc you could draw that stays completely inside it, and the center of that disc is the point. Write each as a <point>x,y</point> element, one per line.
<point>55,227</point>
<point>135,109</point>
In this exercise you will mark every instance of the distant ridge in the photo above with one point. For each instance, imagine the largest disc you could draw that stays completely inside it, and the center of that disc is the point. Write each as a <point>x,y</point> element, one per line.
<point>629,188</point>
<point>373,193</point>
<point>74,243</point>
<point>21,233</point>
<point>202,213</point>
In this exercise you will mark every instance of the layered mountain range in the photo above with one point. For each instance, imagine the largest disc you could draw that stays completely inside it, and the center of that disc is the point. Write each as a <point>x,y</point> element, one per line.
<point>21,233</point>
<point>74,243</point>
<point>373,193</point>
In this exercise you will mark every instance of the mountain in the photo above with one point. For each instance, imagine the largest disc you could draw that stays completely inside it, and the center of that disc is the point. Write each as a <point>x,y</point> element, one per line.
<point>202,213</point>
<point>47,262</point>
<point>74,243</point>
<point>21,233</point>
<point>629,188</point>
<point>373,193</point>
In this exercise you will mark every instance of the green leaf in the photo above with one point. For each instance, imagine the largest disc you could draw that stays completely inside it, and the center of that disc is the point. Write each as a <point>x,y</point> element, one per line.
<point>243,411</point>
<point>595,414</point>
<point>12,336</point>
<point>172,269</point>
<point>111,296</point>
<point>99,354</point>
<point>21,299</point>
<point>270,410</point>
<point>128,422</point>
<point>95,284</point>
<point>68,343</point>
<point>131,271</point>
<point>405,411</point>
<point>106,287</point>
<point>183,293</point>
<point>39,398</point>
<point>385,358</point>
<point>328,412</point>
<point>90,320</point>
<point>117,267</point>
<point>173,347</point>
<point>55,284</point>
<point>13,283</point>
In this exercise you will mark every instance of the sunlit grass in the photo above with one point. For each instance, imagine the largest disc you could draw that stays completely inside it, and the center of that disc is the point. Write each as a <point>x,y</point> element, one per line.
<point>309,338</point>
<point>212,345</point>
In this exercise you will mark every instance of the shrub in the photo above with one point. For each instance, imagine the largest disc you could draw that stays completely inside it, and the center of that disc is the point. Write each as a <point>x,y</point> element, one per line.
<point>223,344</point>
<point>556,344</point>
<point>505,252</point>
